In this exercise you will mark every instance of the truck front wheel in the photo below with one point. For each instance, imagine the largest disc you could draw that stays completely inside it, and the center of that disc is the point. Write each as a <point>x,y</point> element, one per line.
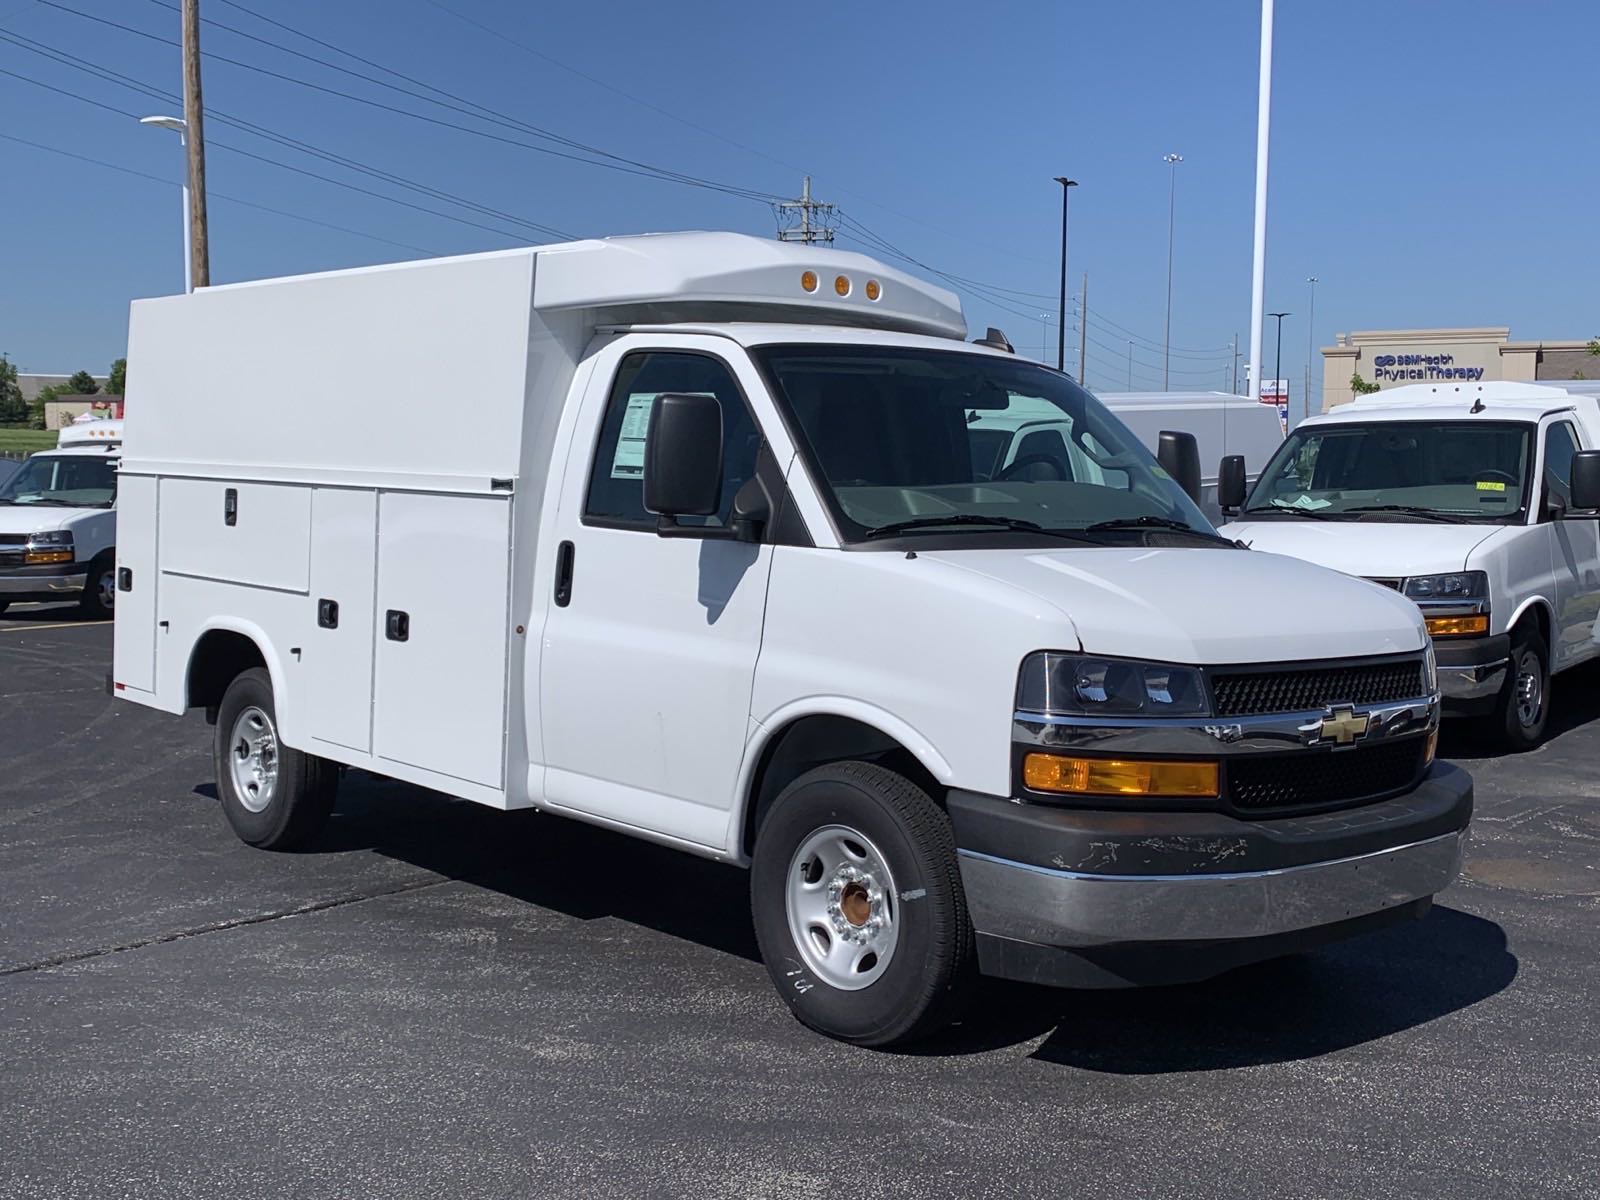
<point>100,589</point>
<point>275,797</point>
<point>858,906</point>
<point>1524,704</point>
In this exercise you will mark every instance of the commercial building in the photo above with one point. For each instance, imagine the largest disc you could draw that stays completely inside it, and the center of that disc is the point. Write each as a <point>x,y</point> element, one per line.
<point>1395,357</point>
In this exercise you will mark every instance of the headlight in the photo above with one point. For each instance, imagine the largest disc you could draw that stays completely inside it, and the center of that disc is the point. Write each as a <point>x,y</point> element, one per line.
<point>1431,669</point>
<point>1458,585</point>
<point>1081,685</point>
<point>53,537</point>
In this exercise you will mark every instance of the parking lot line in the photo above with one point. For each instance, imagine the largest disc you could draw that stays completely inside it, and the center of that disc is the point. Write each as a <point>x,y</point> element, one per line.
<point>58,625</point>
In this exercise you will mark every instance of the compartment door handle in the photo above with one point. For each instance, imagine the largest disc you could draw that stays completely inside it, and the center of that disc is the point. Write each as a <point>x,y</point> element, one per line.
<point>397,625</point>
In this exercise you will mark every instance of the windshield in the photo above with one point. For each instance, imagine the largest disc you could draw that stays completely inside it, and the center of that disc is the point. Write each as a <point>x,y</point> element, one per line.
<point>69,480</point>
<point>964,444</point>
<point>1399,471</point>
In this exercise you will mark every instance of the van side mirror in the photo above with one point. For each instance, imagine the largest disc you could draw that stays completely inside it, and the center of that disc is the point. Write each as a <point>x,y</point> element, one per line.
<point>683,456</point>
<point>1231,484</point>
<point>1585,489</point>
<point>1179,456</point>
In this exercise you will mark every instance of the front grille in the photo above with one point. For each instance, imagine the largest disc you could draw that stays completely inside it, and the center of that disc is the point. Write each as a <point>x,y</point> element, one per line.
<point>13,539</point>
<point>10,558</point>
<point>1243,693</point>
<point>1386,581</point>
<point>1323,779</point>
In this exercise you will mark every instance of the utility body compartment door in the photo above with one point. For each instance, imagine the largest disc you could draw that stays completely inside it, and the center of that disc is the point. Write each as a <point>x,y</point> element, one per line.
<point>134,650</point>
<point>337,666</point>
<point>441,633</point>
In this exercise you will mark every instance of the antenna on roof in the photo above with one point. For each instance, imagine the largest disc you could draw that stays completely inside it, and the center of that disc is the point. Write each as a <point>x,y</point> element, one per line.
<point>1477,405</point>
<point>995,339</point>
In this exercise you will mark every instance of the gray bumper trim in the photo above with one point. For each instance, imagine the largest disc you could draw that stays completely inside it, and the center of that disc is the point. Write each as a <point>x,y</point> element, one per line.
<point>37,585</point>
<point>1054,907</point>
<point>1477,681</point>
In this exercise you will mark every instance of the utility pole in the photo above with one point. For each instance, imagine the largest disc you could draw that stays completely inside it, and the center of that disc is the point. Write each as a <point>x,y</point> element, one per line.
<point>813,225</point>
<point>1311,339</point>
<point>1061,318</point>
<point>1172,161</point>
<point>1130,364</point>
<point>1233,377</point>
<point>1083,329</point>
<point>1258,263</point>
<point>194,140</point>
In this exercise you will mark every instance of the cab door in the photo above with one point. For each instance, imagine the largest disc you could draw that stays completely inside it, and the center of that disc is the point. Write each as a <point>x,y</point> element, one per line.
<point>650,644</point>
<point>1575,554</point>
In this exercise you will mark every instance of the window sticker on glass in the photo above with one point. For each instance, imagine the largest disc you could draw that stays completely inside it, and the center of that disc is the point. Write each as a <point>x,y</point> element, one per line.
<point>628,461</point>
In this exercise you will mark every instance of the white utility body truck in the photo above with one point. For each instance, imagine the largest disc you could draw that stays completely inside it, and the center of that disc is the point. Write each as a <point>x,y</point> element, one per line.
<point>58,522</point>
<point>684,535</point>
<point>1478,501</point>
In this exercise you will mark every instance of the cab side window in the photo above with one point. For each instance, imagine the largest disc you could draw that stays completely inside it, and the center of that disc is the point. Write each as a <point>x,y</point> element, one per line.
<point>616,478</point>
<point>1560,445</point>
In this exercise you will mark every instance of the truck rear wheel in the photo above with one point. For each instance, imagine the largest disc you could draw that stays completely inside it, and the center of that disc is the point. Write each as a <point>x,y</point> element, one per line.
<point>858,906</point>
<point>1524,704</point>
<point>275,797</point>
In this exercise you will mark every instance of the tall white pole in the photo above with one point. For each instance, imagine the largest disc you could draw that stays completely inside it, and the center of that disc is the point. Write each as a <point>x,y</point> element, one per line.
<point>1258,268</point>
<point>188,216</point>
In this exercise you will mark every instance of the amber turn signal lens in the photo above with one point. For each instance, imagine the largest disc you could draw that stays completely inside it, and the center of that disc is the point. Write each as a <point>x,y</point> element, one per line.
<point>808,280</point>
<point>1119,776</point>
<point>873,290</point>
<point>841,284</point>
<point>1431,751</point>
<point>37,558</point>
<point>1457,626</point>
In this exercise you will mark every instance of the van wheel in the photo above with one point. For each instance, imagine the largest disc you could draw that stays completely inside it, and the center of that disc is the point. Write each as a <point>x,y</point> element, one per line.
<point>858,906</point>
<point>100,589</point>
<point>276,797</point>
<point>1524,703</point>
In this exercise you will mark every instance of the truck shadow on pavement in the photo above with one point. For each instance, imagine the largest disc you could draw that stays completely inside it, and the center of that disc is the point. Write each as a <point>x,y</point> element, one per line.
<point>1295,1008</point>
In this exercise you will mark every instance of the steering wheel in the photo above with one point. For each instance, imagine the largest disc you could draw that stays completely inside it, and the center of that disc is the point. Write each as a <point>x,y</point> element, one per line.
<point>1028,460</point>
<point>1507,476</point>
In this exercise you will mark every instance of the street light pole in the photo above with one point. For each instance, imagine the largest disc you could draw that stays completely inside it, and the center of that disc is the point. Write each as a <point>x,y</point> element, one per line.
<point>1311,340</point>
<point>1258,257</point>
<point>1061,313</point>
<point>1172,161</point>
<point>176,124</point>
<point>1277,371</point>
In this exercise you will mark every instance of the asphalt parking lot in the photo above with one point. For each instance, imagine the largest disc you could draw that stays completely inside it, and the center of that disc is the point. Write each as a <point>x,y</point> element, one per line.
<point>444,1001</point>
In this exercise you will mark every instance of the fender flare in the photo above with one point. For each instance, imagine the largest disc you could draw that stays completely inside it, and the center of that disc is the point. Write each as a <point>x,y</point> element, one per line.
<point>1527,606</point>
<point>269,655</point>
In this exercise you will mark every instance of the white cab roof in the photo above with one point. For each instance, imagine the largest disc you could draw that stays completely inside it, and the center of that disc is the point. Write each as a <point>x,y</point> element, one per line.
<point>1430,401</point>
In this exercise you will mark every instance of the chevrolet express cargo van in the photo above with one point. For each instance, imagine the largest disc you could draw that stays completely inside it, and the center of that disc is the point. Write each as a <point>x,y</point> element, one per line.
<point>58,522</point>
<point>687,536</point>
<point>1478,501</point>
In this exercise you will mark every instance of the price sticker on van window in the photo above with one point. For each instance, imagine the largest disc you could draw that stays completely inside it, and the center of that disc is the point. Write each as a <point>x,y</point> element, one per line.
<point>1491,485</point>
<point>628,461</point>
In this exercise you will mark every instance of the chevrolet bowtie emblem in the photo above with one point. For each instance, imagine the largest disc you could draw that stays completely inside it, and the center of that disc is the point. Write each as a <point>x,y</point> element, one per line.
<point>1343,726</point>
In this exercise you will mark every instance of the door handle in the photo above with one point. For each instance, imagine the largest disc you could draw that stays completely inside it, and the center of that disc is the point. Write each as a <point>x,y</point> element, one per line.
<point>565,553</point>
<point>124,579</point>
<point>328,614</point>
<point>230,506</point>
<point>397,625</point>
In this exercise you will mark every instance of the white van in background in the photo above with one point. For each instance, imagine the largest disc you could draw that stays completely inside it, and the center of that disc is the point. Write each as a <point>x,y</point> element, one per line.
<point>58,523</point>
<point>712,564</point>
<point>1478,501</point>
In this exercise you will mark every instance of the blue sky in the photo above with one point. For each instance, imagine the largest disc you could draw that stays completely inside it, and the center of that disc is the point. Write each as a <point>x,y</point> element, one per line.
<point>1432,163</point>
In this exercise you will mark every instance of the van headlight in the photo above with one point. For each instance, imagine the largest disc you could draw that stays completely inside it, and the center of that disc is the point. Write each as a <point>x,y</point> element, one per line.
<point>1458,585</point>
<point>52,546</point>
<point>52,537</point>
<point>1084,685</point>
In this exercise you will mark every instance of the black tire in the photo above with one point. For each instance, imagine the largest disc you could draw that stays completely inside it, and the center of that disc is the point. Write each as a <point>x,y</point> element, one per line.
<point>928,976</point>
<point>100,588</point>
<point>289,814</point>
<point>1530,660</point>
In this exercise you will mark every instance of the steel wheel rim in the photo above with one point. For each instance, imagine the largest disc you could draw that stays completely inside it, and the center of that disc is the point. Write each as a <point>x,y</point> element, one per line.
<point>842,907</point>
<point>253,758</point>
<point>106,587</point>
<point>1530,690</point>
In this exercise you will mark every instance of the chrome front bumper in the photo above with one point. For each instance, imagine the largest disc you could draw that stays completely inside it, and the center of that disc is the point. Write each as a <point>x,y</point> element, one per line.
<point>1479,681</point>
<point>1051,906</point>
<point>12,584</point>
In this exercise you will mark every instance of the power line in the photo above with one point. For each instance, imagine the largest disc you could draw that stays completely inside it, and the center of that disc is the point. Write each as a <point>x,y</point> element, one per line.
<point>281,212</point>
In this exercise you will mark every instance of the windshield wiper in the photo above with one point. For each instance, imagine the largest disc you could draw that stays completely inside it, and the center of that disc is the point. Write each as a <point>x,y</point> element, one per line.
<point>46,500</point>
<point>1290,510</point>
<point>1016,523</point>
<point>1151,521</point>
<point>1427,514</point>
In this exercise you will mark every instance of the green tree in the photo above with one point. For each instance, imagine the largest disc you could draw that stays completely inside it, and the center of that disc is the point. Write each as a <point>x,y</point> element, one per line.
<point>1360,386</point>
<point>117,383</point>
<point>82,384</point>
<point>13,409</point>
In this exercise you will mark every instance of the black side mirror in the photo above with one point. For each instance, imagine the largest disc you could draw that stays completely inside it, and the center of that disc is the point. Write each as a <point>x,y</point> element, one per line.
<point>1230,484</point>
<point>1585,489</point>
<point>683,456</point>
<point>1179,456</point>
